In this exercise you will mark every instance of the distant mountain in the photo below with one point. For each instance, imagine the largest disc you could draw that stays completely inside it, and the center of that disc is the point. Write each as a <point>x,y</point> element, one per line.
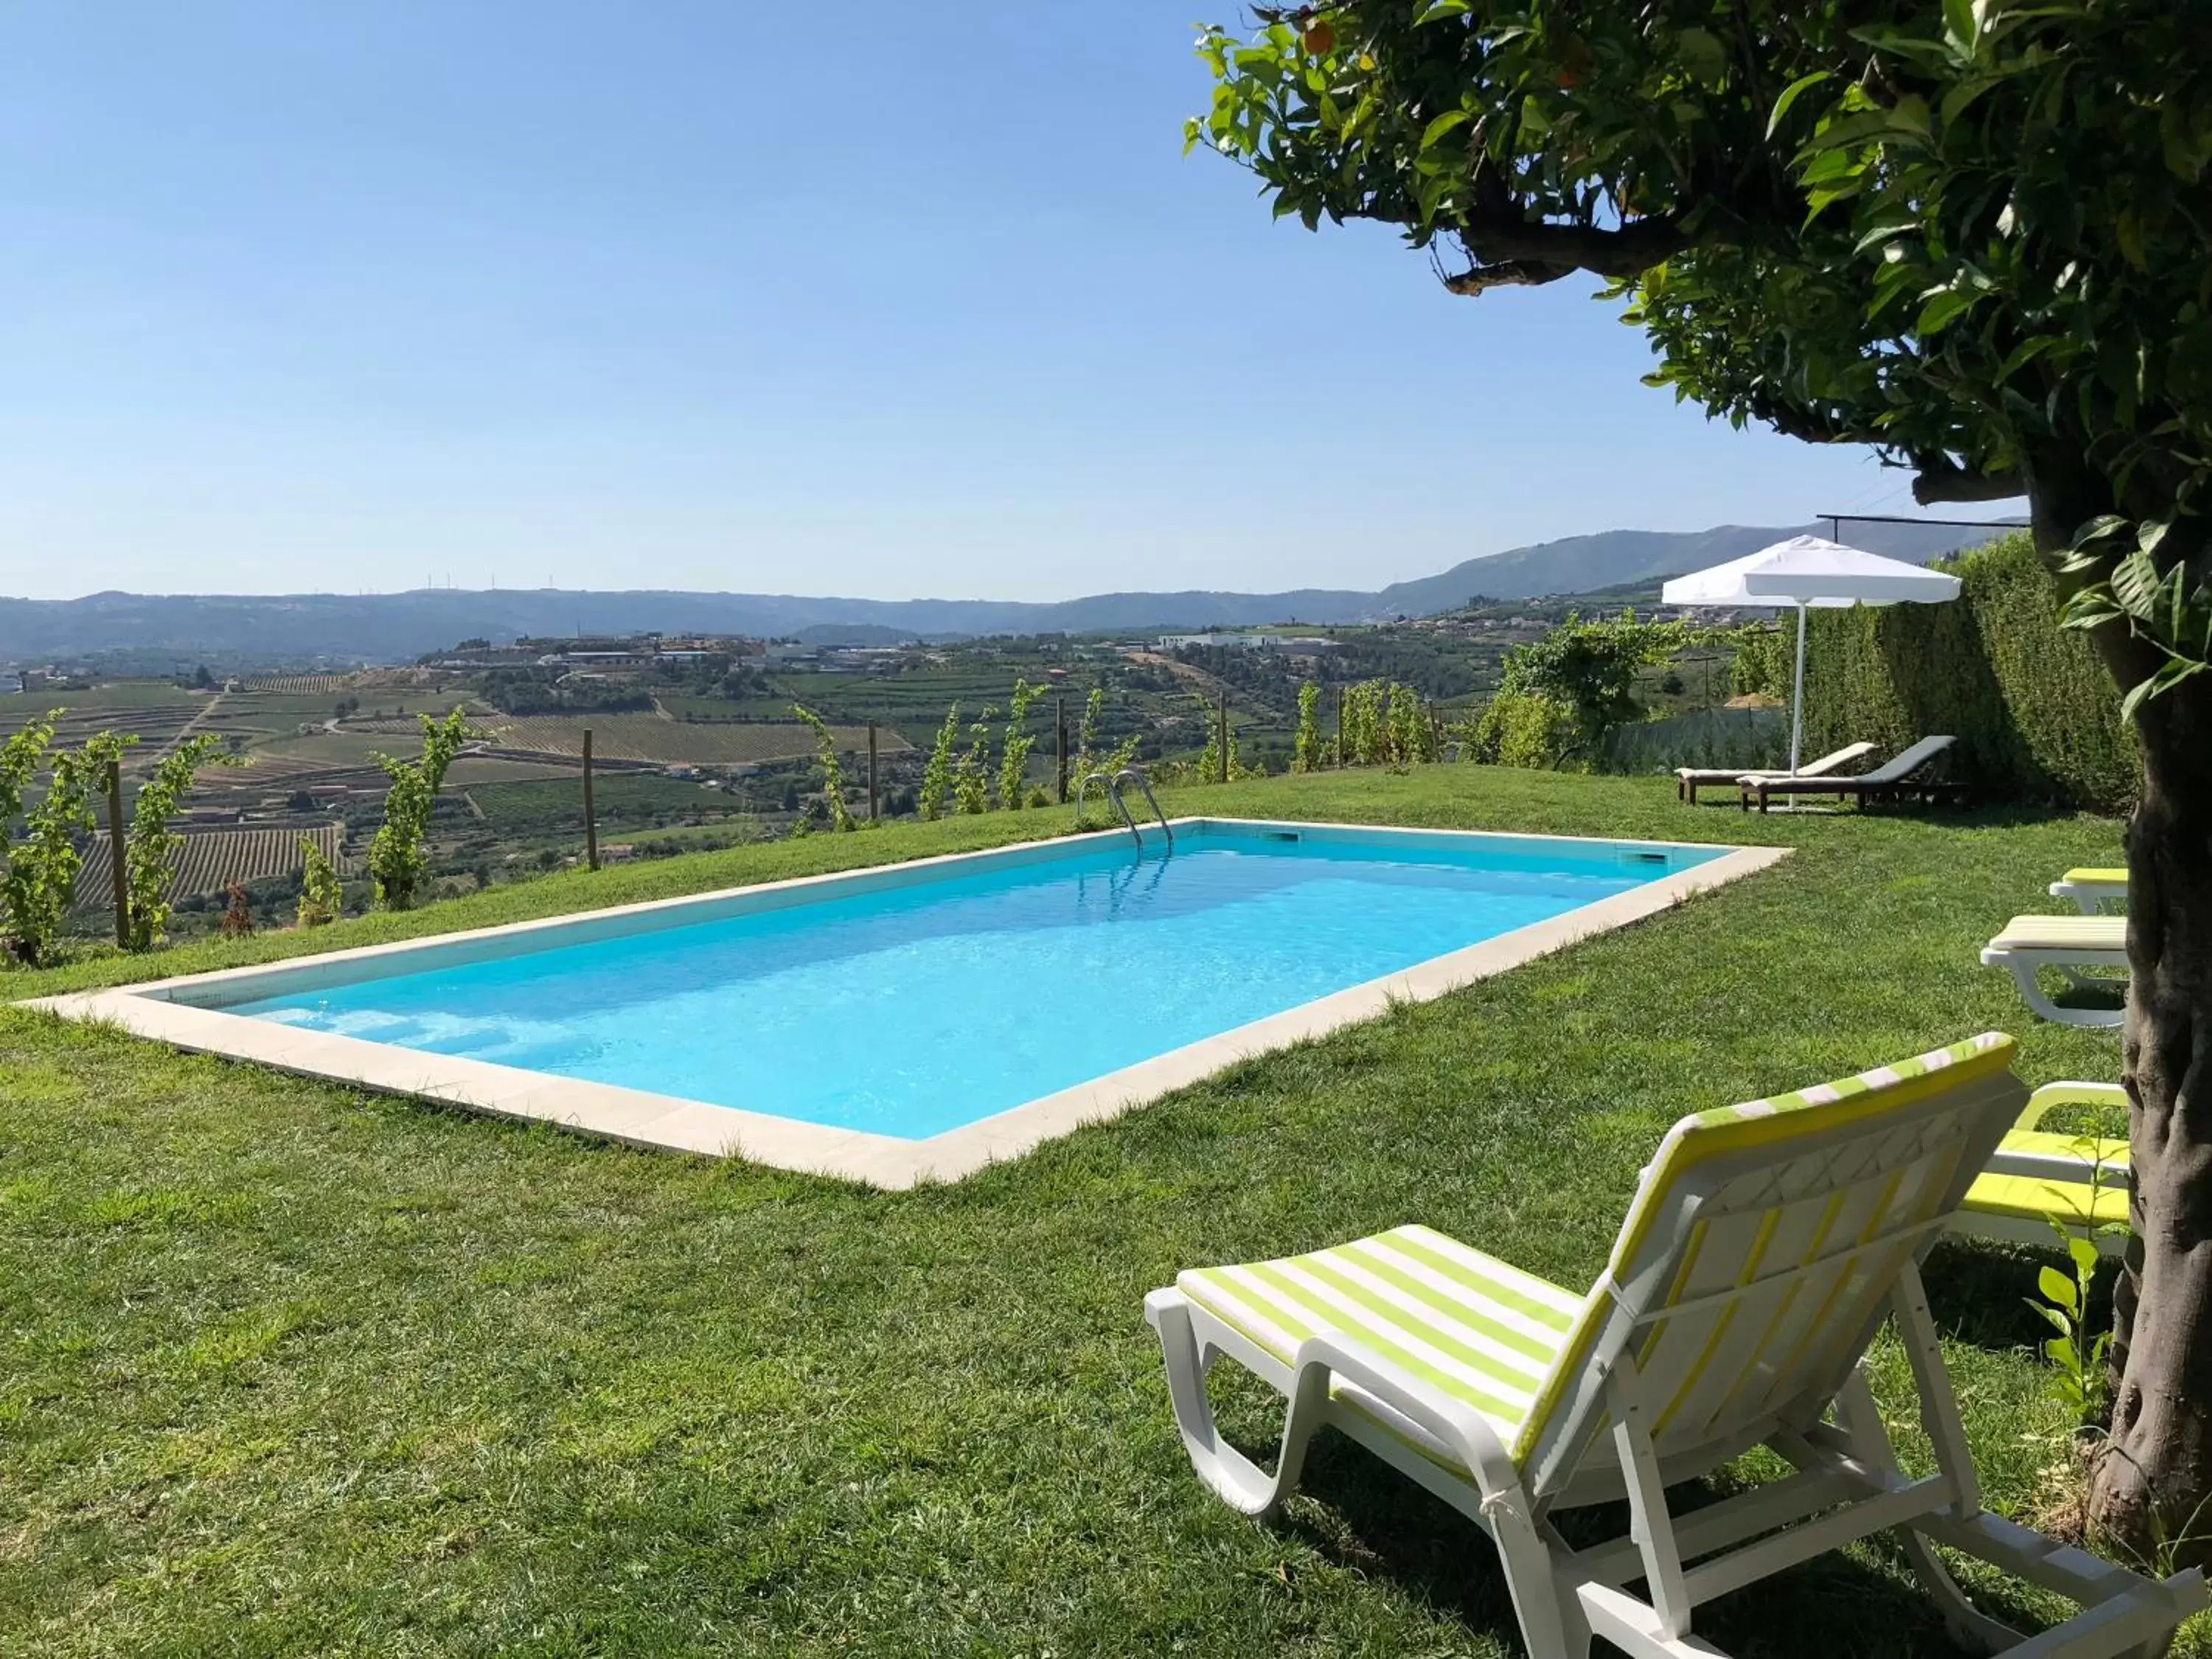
<point>399,626</point>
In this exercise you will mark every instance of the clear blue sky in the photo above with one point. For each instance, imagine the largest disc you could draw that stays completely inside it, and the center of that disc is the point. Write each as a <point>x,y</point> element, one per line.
<point>866,300</point>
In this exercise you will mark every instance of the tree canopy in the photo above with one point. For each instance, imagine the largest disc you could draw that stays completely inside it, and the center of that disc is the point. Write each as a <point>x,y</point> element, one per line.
<point>1856,222</point>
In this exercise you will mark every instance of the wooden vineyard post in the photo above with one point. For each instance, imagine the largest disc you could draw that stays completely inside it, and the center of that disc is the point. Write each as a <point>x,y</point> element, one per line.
<point>591,815</point>
<point>1060,771</point>
<point>1224,777</point>
<point>1340,728</point>
<point>115,855</point>
<point>872,771</point>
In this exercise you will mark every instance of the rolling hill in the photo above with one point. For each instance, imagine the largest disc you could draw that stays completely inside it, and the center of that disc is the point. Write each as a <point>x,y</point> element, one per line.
<point>399,626</point>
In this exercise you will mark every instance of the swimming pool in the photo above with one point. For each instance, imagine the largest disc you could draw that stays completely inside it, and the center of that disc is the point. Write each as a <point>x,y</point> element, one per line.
<point>929,1016</point>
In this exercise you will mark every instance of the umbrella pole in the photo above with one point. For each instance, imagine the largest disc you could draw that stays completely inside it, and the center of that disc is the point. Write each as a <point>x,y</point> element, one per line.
<point>1797,697</point>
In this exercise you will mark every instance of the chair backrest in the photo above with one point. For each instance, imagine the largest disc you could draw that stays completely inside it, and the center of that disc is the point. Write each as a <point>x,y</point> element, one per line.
<point>1831,760</point>
<point>1756,1261</point>
<point>1905,765</point>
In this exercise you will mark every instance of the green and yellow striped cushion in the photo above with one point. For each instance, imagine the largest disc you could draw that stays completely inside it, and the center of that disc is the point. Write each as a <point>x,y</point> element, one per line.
<point>2069,1203</point>
<point>1478,1330</point>
<point>1726,1131</point>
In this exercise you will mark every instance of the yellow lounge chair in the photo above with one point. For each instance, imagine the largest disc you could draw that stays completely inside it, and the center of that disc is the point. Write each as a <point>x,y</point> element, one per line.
<point>2073,946</point>
<point>2038,1178</point>
<point>1767,1246</point>
<point>2091,887</point>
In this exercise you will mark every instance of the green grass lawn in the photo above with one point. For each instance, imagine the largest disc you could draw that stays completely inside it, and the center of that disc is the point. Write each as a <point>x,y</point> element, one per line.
<point>286,1369</point>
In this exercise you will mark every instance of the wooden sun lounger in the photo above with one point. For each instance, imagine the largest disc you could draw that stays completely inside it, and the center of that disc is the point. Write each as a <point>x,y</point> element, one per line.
<point>1688,780</point>
<point>1898,780</point>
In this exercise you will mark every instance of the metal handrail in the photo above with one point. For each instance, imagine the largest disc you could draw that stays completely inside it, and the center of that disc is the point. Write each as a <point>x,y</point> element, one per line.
<point>1150,801</point>
<point>1113,794</point>
<point>1113,786</point>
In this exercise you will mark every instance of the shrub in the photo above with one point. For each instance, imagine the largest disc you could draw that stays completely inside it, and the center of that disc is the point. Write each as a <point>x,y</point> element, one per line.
<point>1761,667</point>
<point>1360,734</point>
<point>971,778</point>
<point>2035,713</point>
<point>322,895</point>
<point>237,915</point>
<point>397,858</point>
<point>1410,736</point>
<point>833,770</point>
<point>937,777</point>
<point>149,846</point>
<point>41,883</point>
<point>1528,730</point>
<point>1590,669</point>
<point>1308,758</point>
<point>1014,759</point>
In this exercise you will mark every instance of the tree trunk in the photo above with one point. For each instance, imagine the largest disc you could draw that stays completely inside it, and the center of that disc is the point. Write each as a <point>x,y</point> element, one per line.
<point>2154,1482</point>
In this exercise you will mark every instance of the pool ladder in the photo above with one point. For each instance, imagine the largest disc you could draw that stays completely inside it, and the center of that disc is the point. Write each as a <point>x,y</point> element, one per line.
<point>1112,785</point>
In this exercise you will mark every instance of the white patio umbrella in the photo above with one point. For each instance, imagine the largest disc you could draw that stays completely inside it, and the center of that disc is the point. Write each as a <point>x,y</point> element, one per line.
<point>1811,573</point>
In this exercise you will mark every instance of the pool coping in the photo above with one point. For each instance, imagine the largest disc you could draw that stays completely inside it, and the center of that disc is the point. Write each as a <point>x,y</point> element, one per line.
<point>669,1122</point>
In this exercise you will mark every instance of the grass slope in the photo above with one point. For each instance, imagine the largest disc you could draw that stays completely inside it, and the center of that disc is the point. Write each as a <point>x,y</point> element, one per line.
<point>285,1369</point>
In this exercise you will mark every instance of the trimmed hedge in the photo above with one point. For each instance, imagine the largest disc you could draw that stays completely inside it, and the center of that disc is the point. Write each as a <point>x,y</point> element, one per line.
<point>2035,713</point>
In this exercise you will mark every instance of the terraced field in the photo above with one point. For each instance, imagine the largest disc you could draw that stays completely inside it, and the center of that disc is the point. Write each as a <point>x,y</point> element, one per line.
<point>675,742</point>
<point>153,711</point>
<point>300,684</point>
<point>208,860</point>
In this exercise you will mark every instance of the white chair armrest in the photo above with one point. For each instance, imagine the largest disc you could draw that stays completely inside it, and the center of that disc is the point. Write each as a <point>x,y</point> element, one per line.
<point>1460,1427</point>
<point>2052,1095</point>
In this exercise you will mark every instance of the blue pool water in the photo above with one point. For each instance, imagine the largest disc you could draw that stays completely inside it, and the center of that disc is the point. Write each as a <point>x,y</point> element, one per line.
<point>916,1009</point>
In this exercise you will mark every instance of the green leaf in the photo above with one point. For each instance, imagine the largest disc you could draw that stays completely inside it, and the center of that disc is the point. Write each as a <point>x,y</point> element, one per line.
<point>2084,1254</point>
<point>1961,23</point>
<point>1439,9</point>
<point>1442,125</point>
<point>1790,94</point>
<point>2103,527</point>
<point>2087,617</point>
<point>1886,231</point>
<point>2059,1290</point>
<point>1535,123</point>
<point>2136,583</point>
<point>2176,670</point>
<point>2055,1319</point>
<point>1943,305</point>
<point>2026,353</point>
<point>1703,56</point>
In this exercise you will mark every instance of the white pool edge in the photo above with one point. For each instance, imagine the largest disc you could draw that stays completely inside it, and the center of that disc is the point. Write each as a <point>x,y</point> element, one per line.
<point>638,1117</point>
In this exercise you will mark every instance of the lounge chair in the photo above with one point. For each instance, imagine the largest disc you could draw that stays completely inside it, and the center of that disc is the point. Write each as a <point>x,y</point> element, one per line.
<point>1765,1249</point>
<point>1893,780</point>
<point>2091,886</point>
<point>2038,1178</point>
<point>2072,945</point>
<point>1688,780</point>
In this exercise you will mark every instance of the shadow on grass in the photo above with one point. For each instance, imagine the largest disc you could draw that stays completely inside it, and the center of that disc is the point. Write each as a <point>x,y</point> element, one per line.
<point>1979,1291</point>
<point>1364,1515</point>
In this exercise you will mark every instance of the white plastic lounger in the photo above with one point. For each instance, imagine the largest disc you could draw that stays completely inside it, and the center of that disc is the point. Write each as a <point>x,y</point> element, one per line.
<point>1688,780</point>
<point>1765,1246</point>
<point>1892,779</point>
<point>2072,945</point>
<point>2091,887</point>
<point>2040,1179</point>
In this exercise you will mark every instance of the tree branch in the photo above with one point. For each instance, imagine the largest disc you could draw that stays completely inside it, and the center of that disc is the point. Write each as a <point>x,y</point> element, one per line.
<point>1940,481</point>
<point>1507,250</point>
